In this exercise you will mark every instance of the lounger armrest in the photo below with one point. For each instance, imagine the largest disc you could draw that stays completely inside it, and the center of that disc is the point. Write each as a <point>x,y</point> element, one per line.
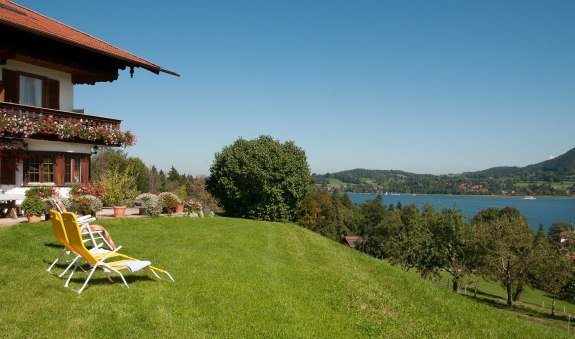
<point>84,217</point>
<point>102,261</point>
<point>86,221</point>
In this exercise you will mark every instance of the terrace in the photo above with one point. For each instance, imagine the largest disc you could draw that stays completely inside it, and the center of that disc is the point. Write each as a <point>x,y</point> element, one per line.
<point>38,114</point>
<point>51,124</point>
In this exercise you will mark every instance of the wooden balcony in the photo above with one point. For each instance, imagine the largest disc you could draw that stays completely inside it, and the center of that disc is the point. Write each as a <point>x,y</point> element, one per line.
<point>38,114</point>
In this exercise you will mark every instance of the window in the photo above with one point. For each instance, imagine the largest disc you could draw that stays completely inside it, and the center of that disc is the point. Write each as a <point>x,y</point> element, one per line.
<point>58,168</point>
<point>34,168</point>
<point>31,91</point>
<point>40,168</point>
<point>48,169</point>
<point>72,172</point>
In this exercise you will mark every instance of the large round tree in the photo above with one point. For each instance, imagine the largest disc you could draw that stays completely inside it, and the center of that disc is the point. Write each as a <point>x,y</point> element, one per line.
<point>260,179</point>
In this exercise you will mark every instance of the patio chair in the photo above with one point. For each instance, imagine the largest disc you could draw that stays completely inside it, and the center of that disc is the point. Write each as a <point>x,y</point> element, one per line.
<point>92,231</point>
<point>104,261</point>
<point>60,232</point>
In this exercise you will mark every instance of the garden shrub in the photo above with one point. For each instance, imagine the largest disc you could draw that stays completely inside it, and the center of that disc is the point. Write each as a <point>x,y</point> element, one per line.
<point>169,201</point>
<point>84,204</point>
<point>260,179</point>
<point>150,203</point>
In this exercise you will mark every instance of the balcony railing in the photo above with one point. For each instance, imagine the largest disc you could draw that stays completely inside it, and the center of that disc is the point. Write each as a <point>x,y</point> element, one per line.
<point>38,114</point>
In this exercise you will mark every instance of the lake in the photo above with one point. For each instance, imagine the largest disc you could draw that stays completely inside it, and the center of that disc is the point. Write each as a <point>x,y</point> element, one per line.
<point>541,211</point>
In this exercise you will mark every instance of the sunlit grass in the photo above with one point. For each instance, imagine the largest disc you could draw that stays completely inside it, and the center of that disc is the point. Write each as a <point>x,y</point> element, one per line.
<point>234,278</point>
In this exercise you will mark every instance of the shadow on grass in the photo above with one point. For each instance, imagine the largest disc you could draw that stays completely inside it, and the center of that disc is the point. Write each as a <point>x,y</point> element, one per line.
<point>53,245</point>
<point>78,280</point>
<point>489,295</point>
<point>516,308</point>
<point>115,279</point>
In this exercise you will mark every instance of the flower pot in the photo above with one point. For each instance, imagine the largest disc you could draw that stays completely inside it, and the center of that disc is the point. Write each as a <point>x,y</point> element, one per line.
<point>119,211</point>
<point>34,218</point>
<point>180,208</point>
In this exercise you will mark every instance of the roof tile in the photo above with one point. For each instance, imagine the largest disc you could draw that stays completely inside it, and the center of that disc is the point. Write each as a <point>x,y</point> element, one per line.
<point>21,17</point>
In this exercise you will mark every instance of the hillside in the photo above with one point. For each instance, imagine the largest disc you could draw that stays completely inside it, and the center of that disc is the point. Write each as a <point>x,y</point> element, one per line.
<point>551,177</point>
<point>561,165</point>
<point>235,278</point>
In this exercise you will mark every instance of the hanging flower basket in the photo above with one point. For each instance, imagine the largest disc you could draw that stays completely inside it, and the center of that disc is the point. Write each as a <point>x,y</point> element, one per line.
<point>68,130</point>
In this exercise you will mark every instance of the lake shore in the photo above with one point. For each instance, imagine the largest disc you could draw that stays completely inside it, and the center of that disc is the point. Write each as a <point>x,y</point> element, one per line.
<point>472,195</point>
<point>540,211</point>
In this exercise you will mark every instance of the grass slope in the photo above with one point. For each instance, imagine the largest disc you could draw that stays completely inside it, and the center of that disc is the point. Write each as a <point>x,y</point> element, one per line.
<point>234,278</point>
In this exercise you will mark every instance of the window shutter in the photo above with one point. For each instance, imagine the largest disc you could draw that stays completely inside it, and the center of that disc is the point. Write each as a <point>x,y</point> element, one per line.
<point>85,168</point>
<point>11,83</point>
<point>59,169</point>
<point>8,174</point>
<point>52,93</point>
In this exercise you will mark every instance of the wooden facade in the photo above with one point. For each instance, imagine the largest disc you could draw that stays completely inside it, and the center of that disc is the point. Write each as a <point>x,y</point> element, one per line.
<point>40,62</point>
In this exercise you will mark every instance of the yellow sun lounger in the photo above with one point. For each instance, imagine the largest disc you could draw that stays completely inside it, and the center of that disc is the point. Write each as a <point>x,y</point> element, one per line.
<point>108,261</point>
<point>84,222</point>
<point>60,232</point>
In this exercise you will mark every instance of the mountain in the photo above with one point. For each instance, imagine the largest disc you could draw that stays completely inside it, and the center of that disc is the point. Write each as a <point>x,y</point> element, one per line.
<point>561,165</point>
<point>551,177</point>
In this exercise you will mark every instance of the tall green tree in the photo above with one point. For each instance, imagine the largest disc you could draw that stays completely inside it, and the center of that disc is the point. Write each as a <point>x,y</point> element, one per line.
<point>260,179</point>
<point>445,245</point>
<point>163,181</point>
<point>142,173</point>
<point>106,158</point>
<point>386,239</point>
<point>173,175</point>
<point>154,180</point>
<point>373,212</point>
<point>505,239</point>
<point>319,213</point>
<point>550,269</point>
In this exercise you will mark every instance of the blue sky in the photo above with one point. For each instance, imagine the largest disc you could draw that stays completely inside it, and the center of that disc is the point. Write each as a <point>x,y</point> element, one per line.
<point>421,86</point>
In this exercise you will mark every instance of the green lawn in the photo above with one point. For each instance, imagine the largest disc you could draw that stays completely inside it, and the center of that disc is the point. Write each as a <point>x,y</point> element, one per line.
<point>333,182</point>
<point>534,305</point>
<point>234,278</point>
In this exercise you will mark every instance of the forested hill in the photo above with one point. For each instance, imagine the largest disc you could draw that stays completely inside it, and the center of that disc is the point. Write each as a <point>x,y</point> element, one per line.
<point>551,177</point>
<point>559,166</point>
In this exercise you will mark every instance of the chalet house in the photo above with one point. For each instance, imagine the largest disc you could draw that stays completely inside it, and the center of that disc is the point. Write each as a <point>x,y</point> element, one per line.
<point>565,236</point>
<point>44,140</point>
<point>352,240</point>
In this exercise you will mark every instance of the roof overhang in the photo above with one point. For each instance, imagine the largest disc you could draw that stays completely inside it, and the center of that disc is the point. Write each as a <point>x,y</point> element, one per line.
<point>25,20</point>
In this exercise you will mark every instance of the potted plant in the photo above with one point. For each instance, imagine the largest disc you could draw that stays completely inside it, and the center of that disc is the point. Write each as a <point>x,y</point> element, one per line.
<point>37,202</point>
<point>120,189</point>
<point>170,201</point>
<point>33,208</point>
<point>182,194</point>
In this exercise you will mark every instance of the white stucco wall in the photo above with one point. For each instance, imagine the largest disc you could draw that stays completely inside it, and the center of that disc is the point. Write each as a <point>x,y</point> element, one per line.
<point>57,146</point>
<point>47,146</point>
<point>65,79</point>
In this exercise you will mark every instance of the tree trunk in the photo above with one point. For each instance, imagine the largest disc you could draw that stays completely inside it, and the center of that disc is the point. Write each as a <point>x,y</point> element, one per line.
<point>553,308</point>
<point>455,284</point>
<point>518,291</point>
<point>508,283</point>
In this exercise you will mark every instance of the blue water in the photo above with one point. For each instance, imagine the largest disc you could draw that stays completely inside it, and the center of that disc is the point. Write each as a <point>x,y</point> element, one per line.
<point>542,211</point>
